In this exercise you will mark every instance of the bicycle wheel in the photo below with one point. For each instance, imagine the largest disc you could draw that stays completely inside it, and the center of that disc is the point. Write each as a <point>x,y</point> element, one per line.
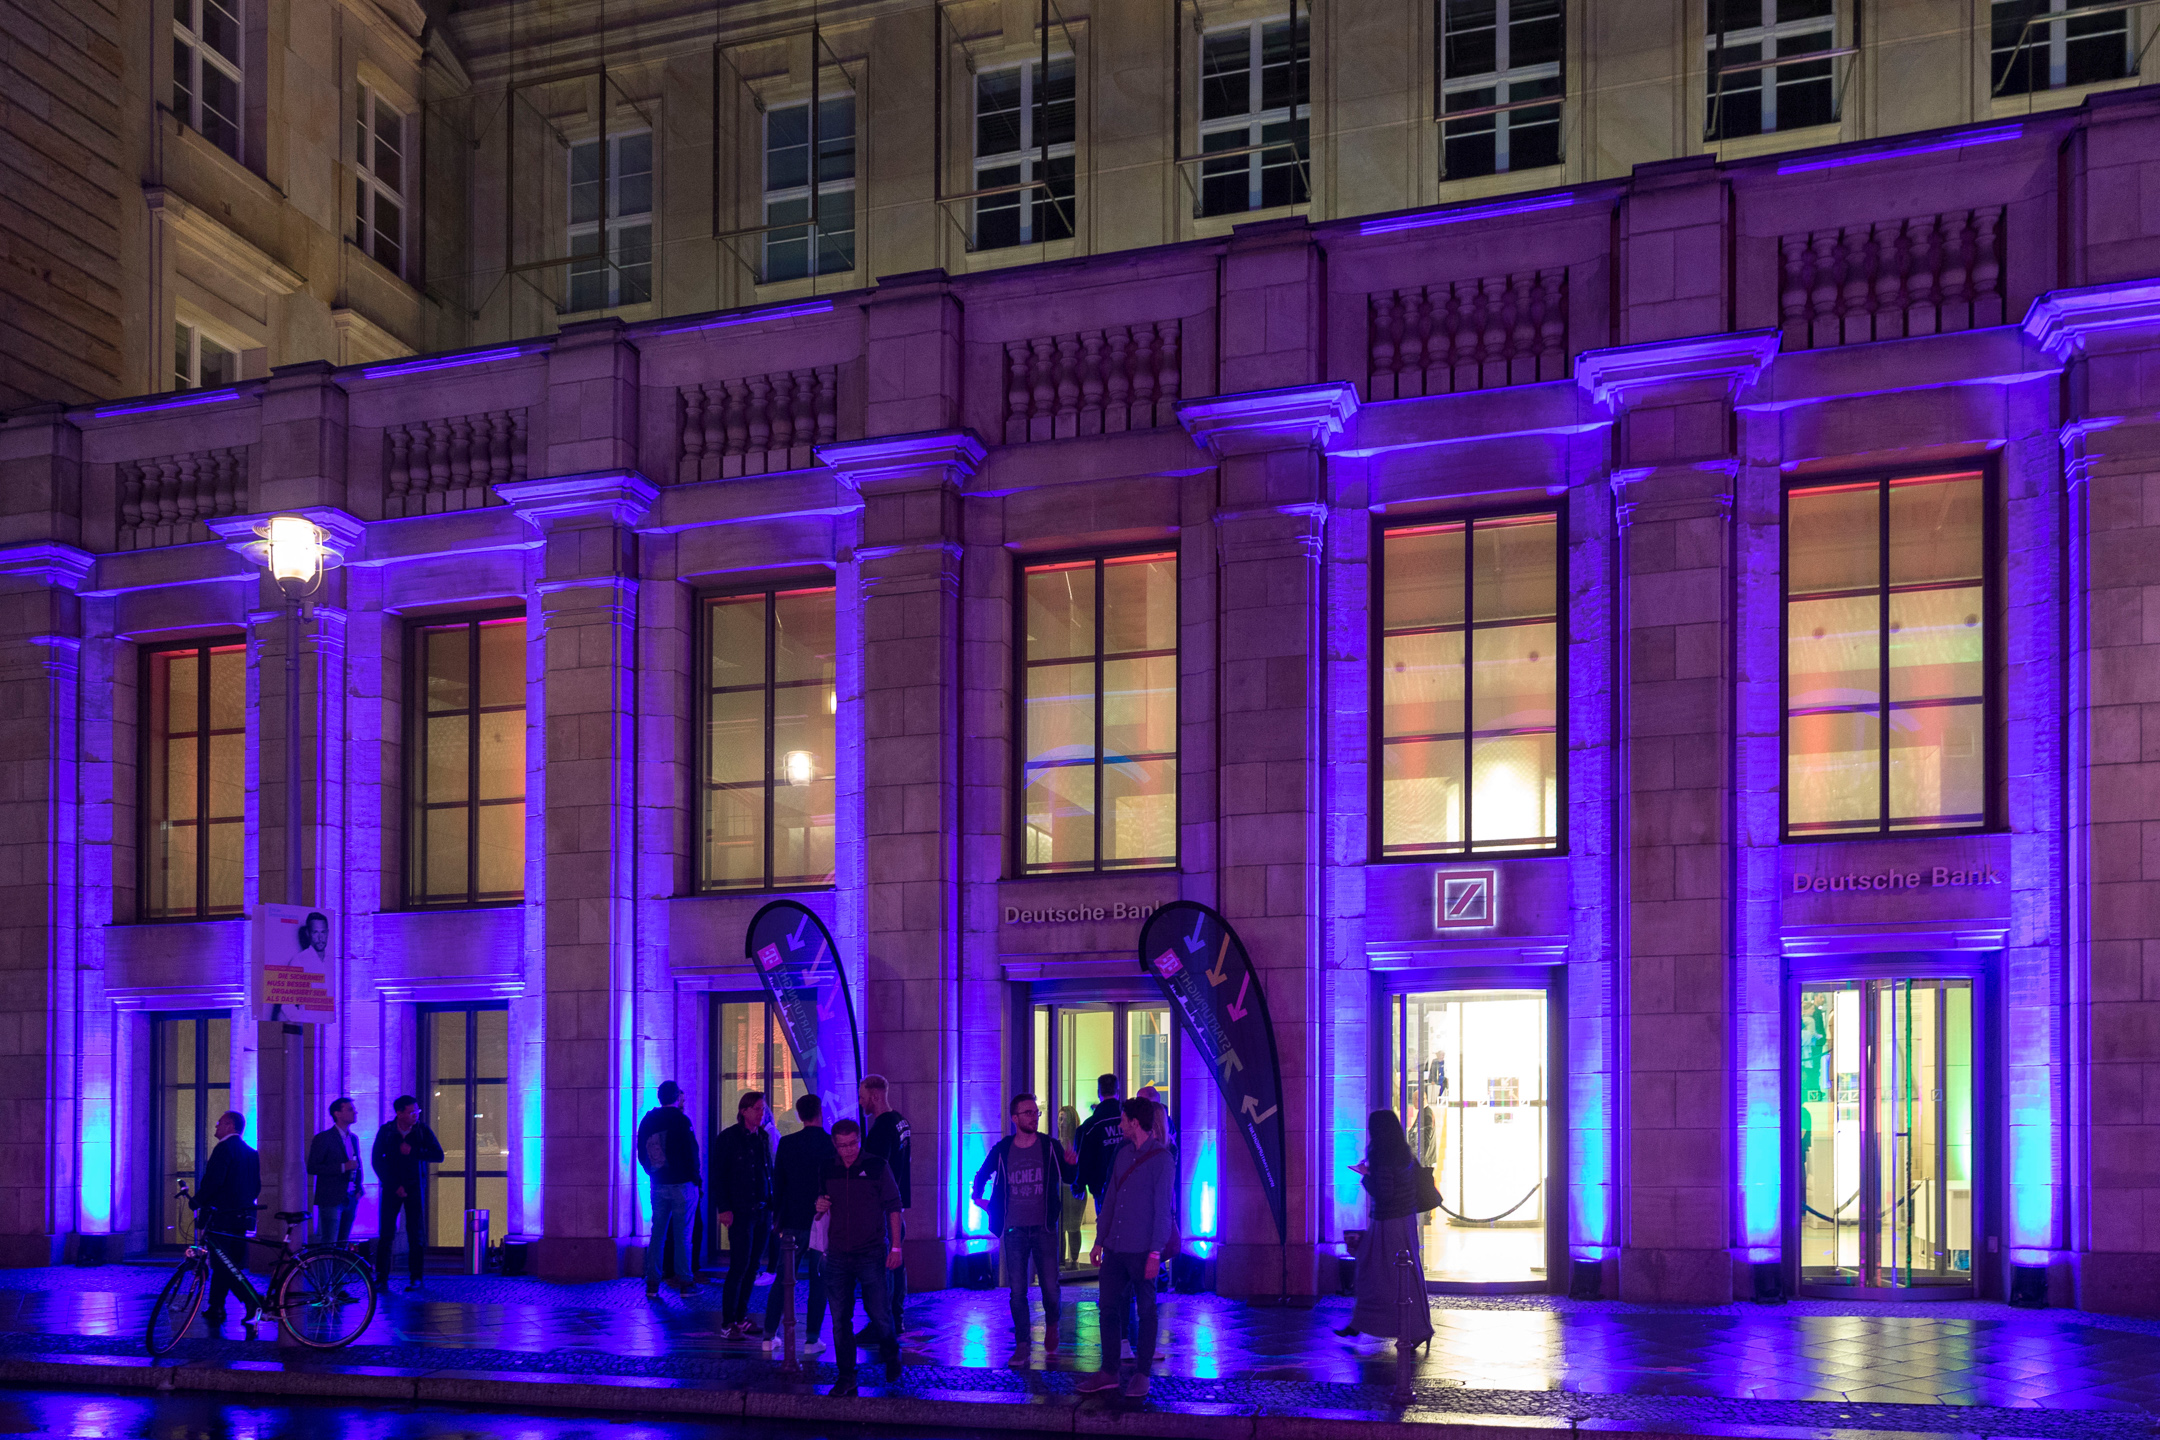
<point>326,1298</point>
<point>176,1305</point>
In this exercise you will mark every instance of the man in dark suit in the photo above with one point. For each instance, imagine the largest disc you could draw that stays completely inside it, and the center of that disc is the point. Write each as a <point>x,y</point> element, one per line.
<point>225,1201</point>
<point>333,1158</point>
<point>404,1148</point>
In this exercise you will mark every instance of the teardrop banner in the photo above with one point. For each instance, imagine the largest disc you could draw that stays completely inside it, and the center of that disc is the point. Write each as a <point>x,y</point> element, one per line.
<point>1203,969</point>
<point>799,966</point>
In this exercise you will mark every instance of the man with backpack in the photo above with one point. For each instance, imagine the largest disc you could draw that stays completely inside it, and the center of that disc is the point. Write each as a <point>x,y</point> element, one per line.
<point>667,1150</point>
<point>1025,1174</point>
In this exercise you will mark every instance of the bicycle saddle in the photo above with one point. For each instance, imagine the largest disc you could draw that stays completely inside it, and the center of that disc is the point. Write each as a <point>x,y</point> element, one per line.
<point>292,1217</point>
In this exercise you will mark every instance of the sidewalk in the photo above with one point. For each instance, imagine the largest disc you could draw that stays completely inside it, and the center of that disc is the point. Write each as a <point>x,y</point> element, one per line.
<point>1807,1368</point>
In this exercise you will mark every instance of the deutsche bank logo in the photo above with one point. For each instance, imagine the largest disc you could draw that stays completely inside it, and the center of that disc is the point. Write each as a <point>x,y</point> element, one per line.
<point>1463,899</point>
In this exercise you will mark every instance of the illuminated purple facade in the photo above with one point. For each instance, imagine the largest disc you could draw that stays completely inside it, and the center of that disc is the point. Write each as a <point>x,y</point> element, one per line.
<point>1738,1032</point>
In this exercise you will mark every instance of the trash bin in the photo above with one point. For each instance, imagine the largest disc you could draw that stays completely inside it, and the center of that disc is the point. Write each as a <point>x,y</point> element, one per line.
<point>476,1242</point>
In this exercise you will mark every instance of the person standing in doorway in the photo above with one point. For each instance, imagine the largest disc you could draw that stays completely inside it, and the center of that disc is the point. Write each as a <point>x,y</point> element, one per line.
<point>1165,1127</point>
<point>1025,1174</point>
<point>404,1148</point>
<point>1100,1136</point>
<point>667,1150</point>
<point>799,1168</point>
<point>1071,1202</point>
<point>743,1189</point>
<point>225,1200</point>
<point>862,1203</point>
<point>887,1136</point>
<point>1135,1229</point>
<point>333,1158</point>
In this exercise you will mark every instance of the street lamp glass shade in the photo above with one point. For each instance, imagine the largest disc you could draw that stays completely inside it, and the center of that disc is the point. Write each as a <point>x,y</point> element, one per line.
<point>295,552</point>
<point>800,767</point>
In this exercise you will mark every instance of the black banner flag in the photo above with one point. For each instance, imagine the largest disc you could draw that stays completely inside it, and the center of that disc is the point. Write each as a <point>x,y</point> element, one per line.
<point>794,957</point>
<point>1204,971</point>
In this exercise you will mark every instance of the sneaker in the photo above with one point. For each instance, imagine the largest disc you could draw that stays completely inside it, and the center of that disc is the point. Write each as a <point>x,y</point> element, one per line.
<point>815,1347</point>
<point>1136,1388</point>
<point>845,1385</point>
<point>750,1330</point>
<point>682,1286</point>
<point>1020,1356</point>
<point>652,1291</point>
<point>1100,1380</point>
<point>1050,1339</point>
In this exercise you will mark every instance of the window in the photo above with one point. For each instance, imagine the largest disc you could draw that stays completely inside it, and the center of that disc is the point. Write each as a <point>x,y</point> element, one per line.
<point>199,362</point>
<point>191,1085</point>
<point>1749,95</point>
<point>770,739</point>
<point>1098,728</point>
<point>1253,93</point>
<point>615,264</point>
<point>379,158</point>
<point>193,851</point>
<point>1470,688</point>
<point>1024,146</point>
<point>788,253</point>
<point>749,1051</point>
<point>206,70</point>
<point>1495,56</point>
<point>465,837</point>
<point>2049,44</point>
<point>464,1098</point>
<point>1886,656</point>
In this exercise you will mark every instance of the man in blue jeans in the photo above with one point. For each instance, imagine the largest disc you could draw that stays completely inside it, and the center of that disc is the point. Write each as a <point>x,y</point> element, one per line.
<point>862,1245</point>
<point>667,1148</point>
<point>799,1167</point>
<point>1134,1230</point>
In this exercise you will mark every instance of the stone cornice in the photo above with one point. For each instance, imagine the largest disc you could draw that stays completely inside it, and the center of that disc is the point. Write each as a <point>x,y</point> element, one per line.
<point>219,244</point>
<point>614,497</point>
<point>2063,322</point>
<point>48,562</point>
<point>903,457</point>
<point>1621,375</point>
<point>1296,417</point>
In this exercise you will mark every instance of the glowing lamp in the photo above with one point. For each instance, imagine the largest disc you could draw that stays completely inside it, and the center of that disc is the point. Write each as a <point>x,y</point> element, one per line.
<point>799,766</point>
<point>294,553</point>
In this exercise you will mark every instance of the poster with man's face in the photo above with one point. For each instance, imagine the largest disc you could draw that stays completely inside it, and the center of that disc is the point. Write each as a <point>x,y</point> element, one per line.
<point>290,963</point>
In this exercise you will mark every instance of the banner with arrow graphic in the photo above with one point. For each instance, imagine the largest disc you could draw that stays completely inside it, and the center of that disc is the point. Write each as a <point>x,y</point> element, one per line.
<point>1208,978</point>
<point>799,966</point>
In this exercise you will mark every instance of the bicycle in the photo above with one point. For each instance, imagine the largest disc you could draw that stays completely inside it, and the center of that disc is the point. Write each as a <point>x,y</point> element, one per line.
<point>322,1295</point>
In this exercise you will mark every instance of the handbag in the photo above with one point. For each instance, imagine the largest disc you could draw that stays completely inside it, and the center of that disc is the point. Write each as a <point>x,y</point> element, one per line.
<point>1428,1192</point>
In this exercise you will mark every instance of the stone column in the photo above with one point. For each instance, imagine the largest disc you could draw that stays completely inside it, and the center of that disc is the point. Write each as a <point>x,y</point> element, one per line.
<point>582,619</point>
<point>1271,527</point>
<point>1673,481</point>
<point>913,1009</point>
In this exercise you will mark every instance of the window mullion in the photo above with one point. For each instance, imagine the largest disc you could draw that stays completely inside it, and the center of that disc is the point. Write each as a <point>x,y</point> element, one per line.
<point>1882,621</point>
<point>1101,576</point>
<point>772,606</point>
<point>1469,642</point>
<point>472,764</point>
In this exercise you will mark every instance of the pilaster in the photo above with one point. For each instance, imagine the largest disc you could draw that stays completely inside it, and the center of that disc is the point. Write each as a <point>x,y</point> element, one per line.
<point>303,446</point>
<point>592,406</point>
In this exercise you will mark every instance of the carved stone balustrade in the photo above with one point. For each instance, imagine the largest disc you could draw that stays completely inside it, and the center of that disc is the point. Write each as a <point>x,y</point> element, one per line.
<point>1092,382</point>
<point>166,500</point>
<point>1468,335</point>
<point>756,425</point>
<point>435,466</point>
<point>1925,276</point>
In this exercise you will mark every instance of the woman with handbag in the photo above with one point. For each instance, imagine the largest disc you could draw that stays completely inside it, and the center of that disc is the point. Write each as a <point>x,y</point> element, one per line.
<point>1390,1267</point>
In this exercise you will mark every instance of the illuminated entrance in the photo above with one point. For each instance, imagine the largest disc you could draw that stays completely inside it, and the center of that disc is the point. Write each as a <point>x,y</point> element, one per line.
<point>1075,1042</point>
<point>1885,1095</point>
<point>1471,1083</point>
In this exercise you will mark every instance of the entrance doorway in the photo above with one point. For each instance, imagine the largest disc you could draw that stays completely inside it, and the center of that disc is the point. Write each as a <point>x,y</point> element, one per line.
<point>749,1051</point>
<point>1470,1069</point>
<point>464,1098</point>
<point>191,1072</point>
<point>1075,1043</point>
<point>1886,1135</point>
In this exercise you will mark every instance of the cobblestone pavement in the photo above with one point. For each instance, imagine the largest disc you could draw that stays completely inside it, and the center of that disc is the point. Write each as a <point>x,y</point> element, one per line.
<point>1969,1367</point>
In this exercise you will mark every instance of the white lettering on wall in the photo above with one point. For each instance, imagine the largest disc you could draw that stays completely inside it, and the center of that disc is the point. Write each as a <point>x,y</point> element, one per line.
<point>1078,914</point>
<point>1938,877</point>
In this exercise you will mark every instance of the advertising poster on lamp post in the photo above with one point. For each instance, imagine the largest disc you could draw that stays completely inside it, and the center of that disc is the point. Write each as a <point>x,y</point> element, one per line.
<point>290,957</point>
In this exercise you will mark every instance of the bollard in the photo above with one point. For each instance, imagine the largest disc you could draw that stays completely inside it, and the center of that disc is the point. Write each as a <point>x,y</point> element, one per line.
<point>789,1365</point>
<point>476,1242</point>
<point>1405,1275</point>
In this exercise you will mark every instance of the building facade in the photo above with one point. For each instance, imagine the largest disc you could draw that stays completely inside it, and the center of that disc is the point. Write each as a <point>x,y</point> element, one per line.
<point>1652,666</point>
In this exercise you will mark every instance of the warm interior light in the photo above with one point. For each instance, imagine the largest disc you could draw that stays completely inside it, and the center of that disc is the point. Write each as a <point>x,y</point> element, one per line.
<point>295,552</point>
<point>800,767</point>
<point>832,702</point>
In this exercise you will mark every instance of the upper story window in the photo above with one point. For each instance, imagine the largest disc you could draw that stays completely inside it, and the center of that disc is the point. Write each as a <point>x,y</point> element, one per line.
<point>1470,687</point>
<point>611,232</point>
<point>193,816</point>
<point>1099,714</point>
<point>789,253</point>
<point>465,816</point>
<point>379,165</point>
<point>1254,99</point>
<point>1754,86</point>
<point>1886,656</point>
<point>1498,58</point>
<point>1024,128</point>
<point>206,70</point>
<point>2050,44</point>
<point>771,740</point>
<point>199,362</point>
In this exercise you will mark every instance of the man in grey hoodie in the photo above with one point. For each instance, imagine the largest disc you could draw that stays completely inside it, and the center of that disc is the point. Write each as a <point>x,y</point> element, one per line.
<point>1135,1229</point>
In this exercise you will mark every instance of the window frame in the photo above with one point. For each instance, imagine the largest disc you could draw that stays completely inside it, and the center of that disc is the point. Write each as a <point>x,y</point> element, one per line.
<point>1019,868</point>
<point>1376,610</point>
<point>814,239</point>
<point>1251,125</point>
<point>146,732</point>
<point>1500,79</point>
<point>412,704</point>
<point>189,34</point>
<point>1764,83</point>
<point>197,338</point>
<point>205,1122</point>
<point>1041,190</point>
<point>610,222</point>
<point>424,1054</point>
<point>703,882</point>
<point>1992,747</point>
<point>2054,16</point>
<point>370,187</point>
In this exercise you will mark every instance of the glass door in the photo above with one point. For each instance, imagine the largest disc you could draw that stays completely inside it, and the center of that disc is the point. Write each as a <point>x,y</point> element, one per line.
<point>1075,1045</point>
<point>750,1052</point>
<point>464,1098</point>
<point>1470,1084</point>
<point>191,1073</point>
<point>1885,1118</point>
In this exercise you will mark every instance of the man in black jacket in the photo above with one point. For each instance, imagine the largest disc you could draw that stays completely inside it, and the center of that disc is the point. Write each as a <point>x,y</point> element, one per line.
<point>862,1245</point>
<point>1099,1138</point>
<point>667,1148</point>
<point>404,1148</point>
<point>885,1134</point>
<point>742,1167</point>
<point>225,1200</point>
<point>1026,1174</point>
<point>799,1168</point>
<point>333,1158</point>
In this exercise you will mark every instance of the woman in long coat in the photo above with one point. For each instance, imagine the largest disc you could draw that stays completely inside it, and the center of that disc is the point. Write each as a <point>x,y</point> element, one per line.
<point>1390,1294</point>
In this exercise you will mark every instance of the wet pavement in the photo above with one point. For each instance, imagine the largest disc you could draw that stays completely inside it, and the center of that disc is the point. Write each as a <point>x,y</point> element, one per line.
<point>1959,1367</point>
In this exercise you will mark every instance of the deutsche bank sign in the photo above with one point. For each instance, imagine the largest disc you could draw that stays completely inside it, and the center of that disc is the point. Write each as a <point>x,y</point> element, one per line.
<point>1466,899</point>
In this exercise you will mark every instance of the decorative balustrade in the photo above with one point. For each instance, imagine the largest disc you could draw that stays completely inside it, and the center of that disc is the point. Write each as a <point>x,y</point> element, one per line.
<point>435,466</point>
<point>1924,276</point>
<point>1468,335</point>
<point>1092,382</point>
<point>758,424</point>
<point>165,501</point>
